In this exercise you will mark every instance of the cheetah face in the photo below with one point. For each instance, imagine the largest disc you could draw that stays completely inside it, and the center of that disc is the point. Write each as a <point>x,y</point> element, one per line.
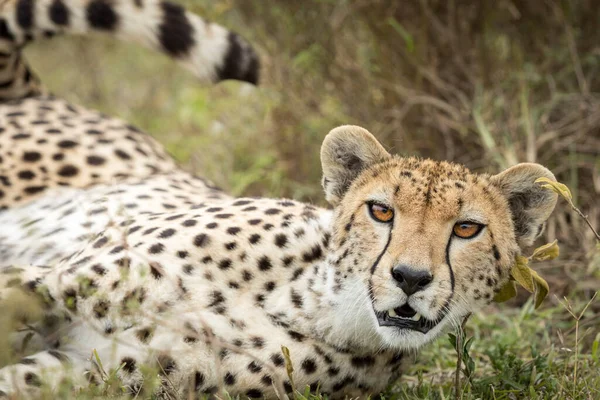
<point>425,242</point>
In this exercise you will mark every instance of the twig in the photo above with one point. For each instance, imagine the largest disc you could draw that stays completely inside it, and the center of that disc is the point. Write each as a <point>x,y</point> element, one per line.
<point>459,344</point>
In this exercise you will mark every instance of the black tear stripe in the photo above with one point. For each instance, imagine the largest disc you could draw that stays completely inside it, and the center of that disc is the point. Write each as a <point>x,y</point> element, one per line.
<point>377,262</point>
<point>451,272</point>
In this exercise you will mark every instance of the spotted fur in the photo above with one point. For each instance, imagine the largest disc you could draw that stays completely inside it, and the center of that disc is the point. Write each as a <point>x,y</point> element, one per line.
<point>145,264</point>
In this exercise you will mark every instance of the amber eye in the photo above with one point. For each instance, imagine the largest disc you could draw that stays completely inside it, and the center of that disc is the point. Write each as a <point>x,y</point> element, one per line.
<point>466,230</point>
<point>380,212</point>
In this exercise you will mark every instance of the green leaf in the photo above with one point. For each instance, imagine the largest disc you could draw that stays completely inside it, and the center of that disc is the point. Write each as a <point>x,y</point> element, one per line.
<point>522,273</point>
<point>556,187</point>
<point>541,288</point>
<point>548,251</point>
<point>507,292</point>
<point>408,38</point>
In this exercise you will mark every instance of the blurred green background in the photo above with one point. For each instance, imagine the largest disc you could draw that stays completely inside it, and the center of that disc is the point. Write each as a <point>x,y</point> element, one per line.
<point>484,83</point>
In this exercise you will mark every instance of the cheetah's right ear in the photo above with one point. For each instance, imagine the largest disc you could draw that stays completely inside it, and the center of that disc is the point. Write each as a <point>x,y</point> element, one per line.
<point>347,151</point>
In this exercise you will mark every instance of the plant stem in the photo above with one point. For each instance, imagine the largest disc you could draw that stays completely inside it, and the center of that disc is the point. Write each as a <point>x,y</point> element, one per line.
<point>459,349</point>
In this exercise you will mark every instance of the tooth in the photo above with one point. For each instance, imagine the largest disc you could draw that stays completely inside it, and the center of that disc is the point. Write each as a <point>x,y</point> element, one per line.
<point>392,313</point>
<point>416,317</point>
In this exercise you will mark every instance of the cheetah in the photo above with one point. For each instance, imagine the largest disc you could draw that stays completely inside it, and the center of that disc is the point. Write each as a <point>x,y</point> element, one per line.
<point>136,262</point>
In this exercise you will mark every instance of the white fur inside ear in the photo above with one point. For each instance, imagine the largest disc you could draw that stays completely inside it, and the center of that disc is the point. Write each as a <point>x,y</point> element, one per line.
<point>529,202</point>
<point>347,151</point>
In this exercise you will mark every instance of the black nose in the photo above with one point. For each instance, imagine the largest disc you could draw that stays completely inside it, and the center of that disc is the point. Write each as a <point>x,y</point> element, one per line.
<point>411,280</point>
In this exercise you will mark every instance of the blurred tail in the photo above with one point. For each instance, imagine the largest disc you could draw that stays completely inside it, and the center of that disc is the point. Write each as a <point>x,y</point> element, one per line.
<point>210,51</point>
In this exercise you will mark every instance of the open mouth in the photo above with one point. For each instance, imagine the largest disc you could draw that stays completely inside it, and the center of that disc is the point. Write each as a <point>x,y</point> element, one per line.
<point>406,318</point>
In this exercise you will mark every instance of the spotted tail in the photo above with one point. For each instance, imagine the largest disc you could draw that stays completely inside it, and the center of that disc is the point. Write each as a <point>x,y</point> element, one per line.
<point>210,51</point>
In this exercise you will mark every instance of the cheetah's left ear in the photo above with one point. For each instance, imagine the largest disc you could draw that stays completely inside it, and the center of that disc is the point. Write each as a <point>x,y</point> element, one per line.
<point>346,152</point>
<point>529,202</point>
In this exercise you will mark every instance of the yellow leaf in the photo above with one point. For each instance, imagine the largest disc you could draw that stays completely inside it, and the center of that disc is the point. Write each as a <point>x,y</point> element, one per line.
<point>507,292</point>
<point>288,361</point>
<point>541,288</point>
<point>549,251</point>
<point>556,187</point>
<point>522,273</point>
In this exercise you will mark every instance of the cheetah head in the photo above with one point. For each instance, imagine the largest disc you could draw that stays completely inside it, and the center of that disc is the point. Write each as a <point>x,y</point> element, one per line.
<point>418,244</point>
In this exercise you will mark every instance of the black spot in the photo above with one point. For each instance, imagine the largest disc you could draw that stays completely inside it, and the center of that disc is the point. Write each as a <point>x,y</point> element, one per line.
<point>496,252</point>
<point>233,230</point>
<point>212,225</point>
<point>26,175</point>
<point>156,270</point>
<point>68,171</point>
<point>101,309</point>
<point>254,221</point>
<point>201,240</point>
<point>296,299</point>
<point>198,380</point>
<point>32,379</point>
<point>95,160</point>
<point>254,393</point>
<point>128,364</point>
<point>281,240</point>
<point>167,364</point>
<point>229,379</point>
<point>297,273</point>
<point>264,263</point>
<point>156,248</point>
<point>266,380</point>
<point>254,238</point>
<point>67,144</point>
<point>230,246</point>
<point>176,33</point>
<point>254,367</point>
<point>24,13</point>
<point>144,334</point>
<point>277,359</point>
<point>101,15</point>
<point>270,286</point>
<point>362,362</point>
<point>223,216</point>
<point>247,275</point>
<point>98,269</point>
<point>189,222</point>
<point>27,361</point>
<point>70,299</point>
<point>34,189</point>
<point>314,254</point>
<point>257,342</point>
<point>166,233</point>
<point>122,155</point>
<point>31,156</point>
<point>297,336</point>
<point>225,264</point>
<point>59,14</point>
<point>309,366</point>
<point>273,211</point>
<point>182,254</point>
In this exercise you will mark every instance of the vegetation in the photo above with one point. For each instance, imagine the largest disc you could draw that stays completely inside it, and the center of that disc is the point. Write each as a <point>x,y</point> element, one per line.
<point>486,84</point>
